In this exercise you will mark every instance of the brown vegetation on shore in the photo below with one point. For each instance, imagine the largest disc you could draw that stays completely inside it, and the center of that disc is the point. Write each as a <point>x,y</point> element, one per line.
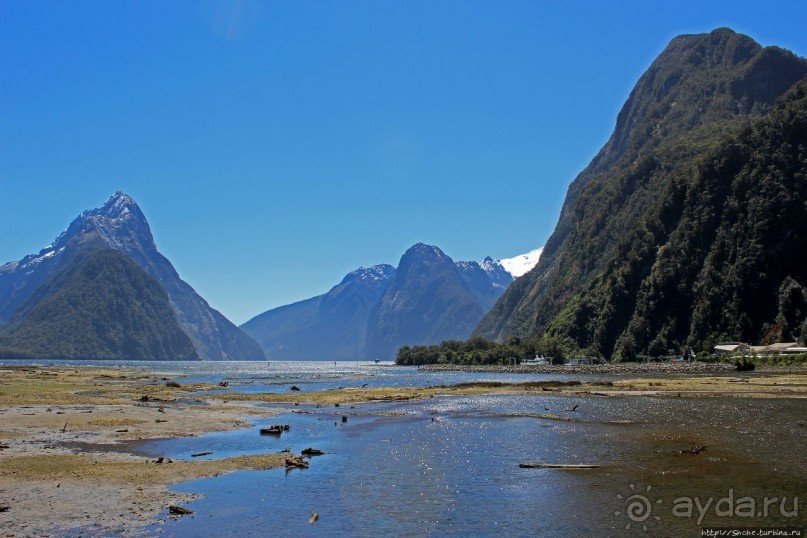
<point>46,414</point>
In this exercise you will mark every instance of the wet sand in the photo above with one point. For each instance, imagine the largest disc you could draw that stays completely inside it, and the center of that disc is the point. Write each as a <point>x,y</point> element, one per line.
<point>63,461</point>
<point>64,432</point>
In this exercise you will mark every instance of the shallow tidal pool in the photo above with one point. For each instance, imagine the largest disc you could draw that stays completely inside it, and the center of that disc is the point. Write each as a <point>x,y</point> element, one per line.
<point>450,466</point>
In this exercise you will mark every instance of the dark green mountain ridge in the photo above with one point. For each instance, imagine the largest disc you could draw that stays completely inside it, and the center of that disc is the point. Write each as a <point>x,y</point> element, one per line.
<point>98,305</point>
<point>688,225</point>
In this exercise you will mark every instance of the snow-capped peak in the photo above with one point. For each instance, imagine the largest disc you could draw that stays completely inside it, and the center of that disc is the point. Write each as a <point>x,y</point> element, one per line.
<point>490,265</point>
<point>374,274</point>
<point>119,223</point>
<point>521,264</point>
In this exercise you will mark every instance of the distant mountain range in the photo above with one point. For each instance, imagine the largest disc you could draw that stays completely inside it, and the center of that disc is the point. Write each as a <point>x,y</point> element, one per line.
<point>689,227</point>
<point>376,310</point>
<point>103,290</point>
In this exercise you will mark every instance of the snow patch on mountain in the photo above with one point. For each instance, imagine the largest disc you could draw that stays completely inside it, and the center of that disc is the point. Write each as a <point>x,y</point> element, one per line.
<point>523,263</point>
<point>374,274</point>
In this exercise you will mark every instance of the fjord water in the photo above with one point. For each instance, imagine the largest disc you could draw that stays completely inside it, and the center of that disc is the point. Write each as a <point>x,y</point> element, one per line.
<point>449,465</point>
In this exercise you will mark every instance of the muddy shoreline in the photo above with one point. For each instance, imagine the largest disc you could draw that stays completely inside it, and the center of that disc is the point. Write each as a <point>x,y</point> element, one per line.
<point>66,433</point>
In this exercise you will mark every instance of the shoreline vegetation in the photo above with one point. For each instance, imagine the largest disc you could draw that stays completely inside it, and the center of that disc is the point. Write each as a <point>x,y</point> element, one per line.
<point>616,368</point>
<point>66,433</point>
<point>479,351</point>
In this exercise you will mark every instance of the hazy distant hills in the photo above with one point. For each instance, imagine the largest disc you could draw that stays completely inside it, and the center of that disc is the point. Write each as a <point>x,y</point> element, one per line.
<point>75,299</point>
<point>430,299</point>
<point>374,311</point>
<point>332,326</point>
<point>689,226</point>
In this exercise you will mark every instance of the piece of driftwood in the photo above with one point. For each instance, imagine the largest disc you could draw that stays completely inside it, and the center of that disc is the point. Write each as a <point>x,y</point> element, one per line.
<point>558,466</point>
<point>312,452</point>
<point>179,510</point>
<point>198,454</point>
<point>696,449</point>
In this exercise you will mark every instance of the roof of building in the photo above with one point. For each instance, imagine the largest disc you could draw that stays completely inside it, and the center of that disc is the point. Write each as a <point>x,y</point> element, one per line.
<point>782,345</point>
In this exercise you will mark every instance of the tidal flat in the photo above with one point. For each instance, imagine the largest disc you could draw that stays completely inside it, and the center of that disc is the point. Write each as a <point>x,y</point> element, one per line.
<point>80,447</point>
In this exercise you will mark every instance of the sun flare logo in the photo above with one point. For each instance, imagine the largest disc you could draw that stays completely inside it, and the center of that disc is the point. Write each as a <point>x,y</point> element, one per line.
<point>638,507</point>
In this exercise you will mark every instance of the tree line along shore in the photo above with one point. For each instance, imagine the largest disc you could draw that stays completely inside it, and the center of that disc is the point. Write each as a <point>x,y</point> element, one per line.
<point>479,351</point>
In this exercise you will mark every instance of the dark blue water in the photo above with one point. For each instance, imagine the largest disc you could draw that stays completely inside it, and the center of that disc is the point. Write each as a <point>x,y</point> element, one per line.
<point>449,466</point>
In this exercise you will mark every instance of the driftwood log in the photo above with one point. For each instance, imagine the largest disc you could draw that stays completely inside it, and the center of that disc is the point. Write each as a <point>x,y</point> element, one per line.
<point>558,466</point>
<point>179,510</point>
<point>275,429</point>
<point>696,449</point>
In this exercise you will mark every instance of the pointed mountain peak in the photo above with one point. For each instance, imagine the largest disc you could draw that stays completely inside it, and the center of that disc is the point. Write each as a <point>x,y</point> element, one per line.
<point>118,222</point>
<point>424,250</point>
<point>119,206</point>
<point>118,202</point>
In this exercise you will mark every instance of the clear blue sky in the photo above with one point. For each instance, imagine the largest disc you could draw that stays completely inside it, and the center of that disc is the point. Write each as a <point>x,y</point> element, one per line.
<point>274,146</point>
